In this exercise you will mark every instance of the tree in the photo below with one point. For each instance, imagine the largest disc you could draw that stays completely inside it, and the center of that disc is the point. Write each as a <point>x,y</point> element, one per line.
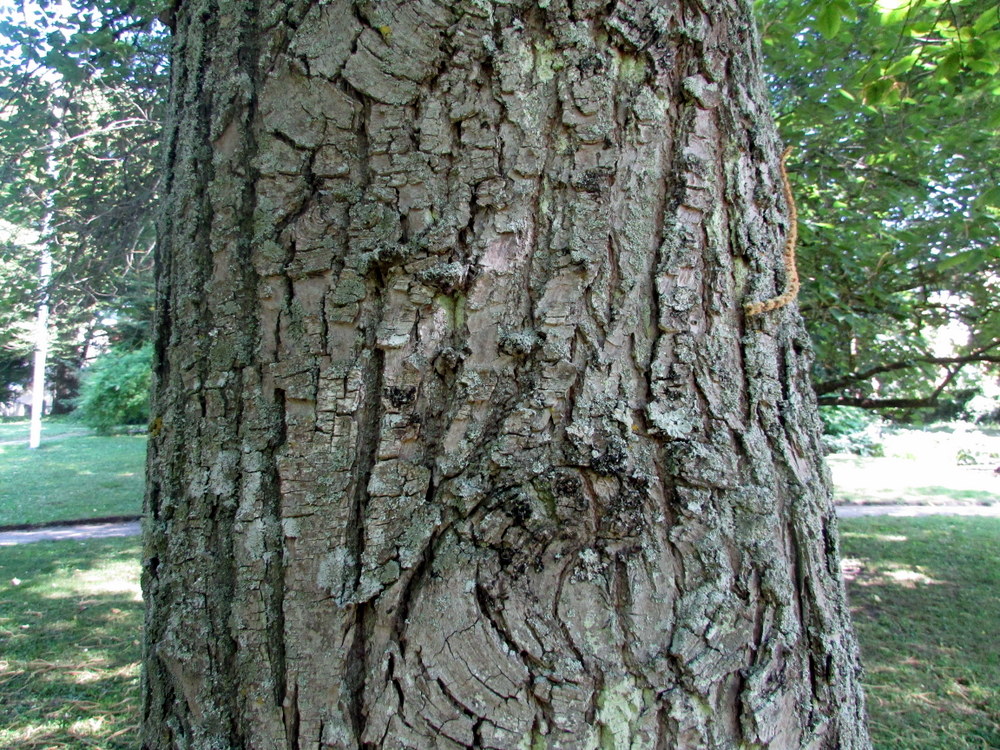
<point>893,109</point>
<point>459,435</point>
<point>115,389</point>
<point>80,103</point>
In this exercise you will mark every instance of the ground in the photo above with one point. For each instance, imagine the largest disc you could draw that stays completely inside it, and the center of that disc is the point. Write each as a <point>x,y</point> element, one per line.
<point>942,465</point>
<point>923,594</point>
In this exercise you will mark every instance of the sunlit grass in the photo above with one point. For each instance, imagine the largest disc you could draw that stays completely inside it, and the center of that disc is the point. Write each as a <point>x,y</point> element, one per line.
<point>73,477</point>
<point>70,623</point>
<point>53,428</point>
<point>925,593</point>
<point>900,481</point>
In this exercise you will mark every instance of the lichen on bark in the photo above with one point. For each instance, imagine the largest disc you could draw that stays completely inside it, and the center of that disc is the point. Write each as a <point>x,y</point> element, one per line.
<point>465,441</point>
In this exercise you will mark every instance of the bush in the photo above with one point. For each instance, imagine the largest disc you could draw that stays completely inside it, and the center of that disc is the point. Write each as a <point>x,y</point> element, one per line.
<point>114,390</point>
<point>845,420</point>
<point>847,429</point>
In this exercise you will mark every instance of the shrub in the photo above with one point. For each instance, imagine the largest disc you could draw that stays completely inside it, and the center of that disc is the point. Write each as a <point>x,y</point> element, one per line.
<point>847,429</point>
<point>114,390</point>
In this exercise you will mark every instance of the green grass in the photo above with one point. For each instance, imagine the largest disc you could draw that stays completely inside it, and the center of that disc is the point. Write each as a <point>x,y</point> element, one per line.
<point>70,624</point>
<point>70,476</point>
<point>925,594</point>
<point>16,430</point>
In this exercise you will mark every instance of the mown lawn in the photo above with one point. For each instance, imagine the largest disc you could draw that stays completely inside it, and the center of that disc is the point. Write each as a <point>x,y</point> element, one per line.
<point>925,593</point>
<point>70,624</point>
<point>73,475</point>
<point>16,430</point>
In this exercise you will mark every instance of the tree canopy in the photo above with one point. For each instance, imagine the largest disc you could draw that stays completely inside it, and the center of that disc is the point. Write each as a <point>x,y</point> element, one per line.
<point>82,90</point>
<point>891,106</point>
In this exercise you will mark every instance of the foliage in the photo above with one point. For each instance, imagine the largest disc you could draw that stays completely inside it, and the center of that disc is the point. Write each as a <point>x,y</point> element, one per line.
<point>848,429</point>
<point>892,106</point>
<point>70,618</point>
<point>115,389</point>
<point>923,596</point>
<point>984,409</point>
<point>82,90</point>
<point>893,109</point>
<point>73,476</point>
<point>844,420</point>
<point>16,297</point>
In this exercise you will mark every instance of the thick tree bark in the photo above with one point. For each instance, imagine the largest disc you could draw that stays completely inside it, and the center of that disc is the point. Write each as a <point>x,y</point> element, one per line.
<point>460,437</point>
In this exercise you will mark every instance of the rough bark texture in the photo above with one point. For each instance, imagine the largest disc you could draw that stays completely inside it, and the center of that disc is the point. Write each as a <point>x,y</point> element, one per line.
<point>460,436</point>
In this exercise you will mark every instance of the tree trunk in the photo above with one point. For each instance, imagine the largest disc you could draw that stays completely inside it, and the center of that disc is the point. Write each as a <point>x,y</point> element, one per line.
<point>460,436</point>
<point>65,380</point>
<point>41,342</point>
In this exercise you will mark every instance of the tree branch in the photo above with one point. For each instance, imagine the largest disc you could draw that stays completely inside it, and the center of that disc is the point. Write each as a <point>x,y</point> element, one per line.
<point>120,125</point>
<point>979,355</point>
<point>889,403</point>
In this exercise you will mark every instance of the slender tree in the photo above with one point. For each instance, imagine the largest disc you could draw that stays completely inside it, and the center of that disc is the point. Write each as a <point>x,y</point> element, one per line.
<point>41,352</point>
<point>461,436</point>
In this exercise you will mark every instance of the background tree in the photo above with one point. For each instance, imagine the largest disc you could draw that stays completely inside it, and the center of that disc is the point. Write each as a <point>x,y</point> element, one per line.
<point>460,438</point>
<point>115,389</point>
<point>17,282</point>
<point>894,107</point>
<point>81,93</point>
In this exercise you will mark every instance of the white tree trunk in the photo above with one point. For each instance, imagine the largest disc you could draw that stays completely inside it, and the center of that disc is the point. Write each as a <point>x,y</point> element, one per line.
<point>41,347</point>
<point>460,436</point>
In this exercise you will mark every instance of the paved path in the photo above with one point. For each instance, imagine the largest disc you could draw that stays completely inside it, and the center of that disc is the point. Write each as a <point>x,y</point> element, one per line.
<point>131,528</point>
<point>910,511</point>
<point>82,531</point>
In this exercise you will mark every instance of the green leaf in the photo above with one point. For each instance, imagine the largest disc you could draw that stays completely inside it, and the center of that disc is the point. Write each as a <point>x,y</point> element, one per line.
<point>902,65</point>
<point>989,67</point>
<point>848,10</point>
<point>989,197</point>
<point>987,20</point>
<point>829,20</point>
<point>876,91</point>
<point>949,67</point>
<point>897,11</point>
<point>968,259</point>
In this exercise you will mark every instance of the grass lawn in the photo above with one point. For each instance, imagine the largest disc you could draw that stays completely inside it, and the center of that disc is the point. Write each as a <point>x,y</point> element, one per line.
<point>925,594</point>
<point>72,475</point>
<point>70,623</point>
<point>16,430</point>
<point>900,481</point>
<point>942,465</point>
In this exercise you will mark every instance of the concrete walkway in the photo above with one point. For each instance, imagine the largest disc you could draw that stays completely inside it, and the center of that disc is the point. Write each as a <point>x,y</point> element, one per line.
<point>911,511</point>
<point>81,531</point>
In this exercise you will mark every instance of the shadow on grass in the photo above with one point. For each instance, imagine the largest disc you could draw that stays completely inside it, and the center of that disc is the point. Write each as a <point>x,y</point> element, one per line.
<point>70,629</point>
<point>924,598</point>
